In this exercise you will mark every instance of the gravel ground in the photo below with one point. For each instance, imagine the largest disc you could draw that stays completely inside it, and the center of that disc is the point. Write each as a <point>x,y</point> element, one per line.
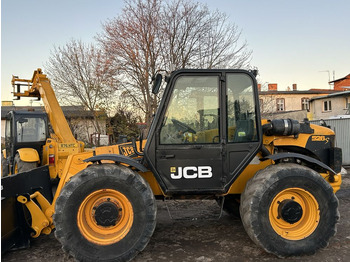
<point>203,237</point>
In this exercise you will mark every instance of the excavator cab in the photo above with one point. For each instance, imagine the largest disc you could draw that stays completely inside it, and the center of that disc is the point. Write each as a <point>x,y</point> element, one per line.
<point>206,131</point>
<point>24,130</point>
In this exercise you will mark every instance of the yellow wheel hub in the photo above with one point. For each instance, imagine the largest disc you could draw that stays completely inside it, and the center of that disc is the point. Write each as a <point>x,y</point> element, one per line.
<point>294,213</point>
<point>105,217</point>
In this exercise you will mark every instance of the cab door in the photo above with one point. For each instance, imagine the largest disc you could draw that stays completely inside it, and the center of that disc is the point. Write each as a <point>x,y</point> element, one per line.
<point>243,135</point>
<point>198,142</point>
<point>188,153</point>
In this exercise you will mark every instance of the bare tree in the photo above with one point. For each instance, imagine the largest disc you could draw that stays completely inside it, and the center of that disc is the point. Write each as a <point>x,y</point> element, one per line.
<point>153,35</point>
<point>197,38</point>
<point>80,75</point>
<point>129,41</point>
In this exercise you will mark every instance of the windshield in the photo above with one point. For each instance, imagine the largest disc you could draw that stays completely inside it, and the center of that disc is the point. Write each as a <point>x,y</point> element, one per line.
<point>30,129</point>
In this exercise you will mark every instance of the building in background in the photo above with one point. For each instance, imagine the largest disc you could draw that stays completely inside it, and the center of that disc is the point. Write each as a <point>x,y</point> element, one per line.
<point>335,105</point>
<point>292,103</point>
<point>341,84</point>
<point>295,104</point>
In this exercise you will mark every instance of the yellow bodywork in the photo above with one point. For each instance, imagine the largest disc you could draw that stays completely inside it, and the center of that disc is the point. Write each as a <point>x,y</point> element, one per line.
<point>28,155</point>
<point>74,163</point>
<point>42,221</point>
<point>61,151</point>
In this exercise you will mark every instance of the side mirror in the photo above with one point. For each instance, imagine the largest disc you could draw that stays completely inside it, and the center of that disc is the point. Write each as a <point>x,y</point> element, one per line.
<point>157,81</point>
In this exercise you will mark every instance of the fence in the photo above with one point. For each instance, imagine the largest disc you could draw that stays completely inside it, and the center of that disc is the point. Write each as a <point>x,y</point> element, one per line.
<point>341,128</point>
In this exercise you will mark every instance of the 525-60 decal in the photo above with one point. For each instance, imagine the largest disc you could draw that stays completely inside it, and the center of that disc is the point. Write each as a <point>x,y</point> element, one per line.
<point>320,139</point>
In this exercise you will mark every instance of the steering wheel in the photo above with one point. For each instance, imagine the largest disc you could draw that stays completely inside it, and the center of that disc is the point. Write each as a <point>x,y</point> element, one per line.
<point>182,126</point>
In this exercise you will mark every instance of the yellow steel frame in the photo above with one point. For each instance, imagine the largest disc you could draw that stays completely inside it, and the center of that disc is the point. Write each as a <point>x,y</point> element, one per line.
<point>42,221</point>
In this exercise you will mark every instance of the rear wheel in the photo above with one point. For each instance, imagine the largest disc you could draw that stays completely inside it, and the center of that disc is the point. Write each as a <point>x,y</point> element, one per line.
<point>289,209</point>
<point>21,166</point>
<point>105,213</point>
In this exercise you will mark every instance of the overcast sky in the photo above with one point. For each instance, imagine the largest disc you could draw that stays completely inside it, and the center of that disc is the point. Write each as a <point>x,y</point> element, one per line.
<point>292,41</point>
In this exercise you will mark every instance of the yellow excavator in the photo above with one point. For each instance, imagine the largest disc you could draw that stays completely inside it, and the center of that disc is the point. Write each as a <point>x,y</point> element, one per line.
<point>206,141</point>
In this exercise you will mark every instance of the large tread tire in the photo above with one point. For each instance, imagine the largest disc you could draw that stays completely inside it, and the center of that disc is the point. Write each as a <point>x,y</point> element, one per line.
<point>98,178</point>
<point>21,166</point>
<point>259,196</point>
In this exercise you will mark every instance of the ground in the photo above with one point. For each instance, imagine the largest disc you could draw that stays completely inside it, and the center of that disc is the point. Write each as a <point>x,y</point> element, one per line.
<point>203,237</point>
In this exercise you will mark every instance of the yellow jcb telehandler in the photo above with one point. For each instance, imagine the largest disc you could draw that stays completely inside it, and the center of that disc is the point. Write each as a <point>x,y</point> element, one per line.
<point>206,141</point>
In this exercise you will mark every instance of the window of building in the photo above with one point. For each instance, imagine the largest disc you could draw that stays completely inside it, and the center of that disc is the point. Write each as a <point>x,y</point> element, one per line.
<point>347,105</point>
<point>280,104</point>
<point>305,103</point>
<point>327,105</point>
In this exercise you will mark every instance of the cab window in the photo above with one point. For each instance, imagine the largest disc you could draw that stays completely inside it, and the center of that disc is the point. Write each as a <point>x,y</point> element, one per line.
<point>241,117</point>
<point>192,116</point>
<point>30,129</point>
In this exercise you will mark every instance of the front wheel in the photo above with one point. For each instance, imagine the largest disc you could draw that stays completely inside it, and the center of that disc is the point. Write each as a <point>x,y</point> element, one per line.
<point>289,210</point>
<point>105,213</point>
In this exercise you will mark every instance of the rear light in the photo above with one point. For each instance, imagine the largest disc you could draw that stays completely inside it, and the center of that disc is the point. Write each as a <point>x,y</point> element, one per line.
<point>51,159</point>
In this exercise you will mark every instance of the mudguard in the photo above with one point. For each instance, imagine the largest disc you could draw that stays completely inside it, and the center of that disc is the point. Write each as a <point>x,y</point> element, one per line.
<point>118,159</point>
<point>299,156</point>
<point>28,155</point>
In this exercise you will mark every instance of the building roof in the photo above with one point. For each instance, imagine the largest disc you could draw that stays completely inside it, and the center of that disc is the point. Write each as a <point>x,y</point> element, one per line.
<point>68,111</point>
<point>344,93</point>
<point>340,79</point>
<point>311,91</point>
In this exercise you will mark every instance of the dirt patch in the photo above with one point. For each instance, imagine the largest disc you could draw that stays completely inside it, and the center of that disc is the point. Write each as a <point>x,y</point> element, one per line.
<point>202,237</point>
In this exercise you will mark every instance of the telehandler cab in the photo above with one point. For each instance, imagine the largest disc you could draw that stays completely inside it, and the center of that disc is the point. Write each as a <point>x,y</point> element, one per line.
<point>206,141</point>
<point>25,135</point>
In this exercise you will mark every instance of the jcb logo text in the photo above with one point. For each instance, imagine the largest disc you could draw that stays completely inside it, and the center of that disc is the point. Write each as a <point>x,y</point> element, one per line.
<point>191,172</point>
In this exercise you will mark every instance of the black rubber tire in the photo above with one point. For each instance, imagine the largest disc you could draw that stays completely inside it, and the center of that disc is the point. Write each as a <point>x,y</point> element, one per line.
<point>257,198</point>
<point>23,166</point>
<point>89,180</point>
<point>231,205</point>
